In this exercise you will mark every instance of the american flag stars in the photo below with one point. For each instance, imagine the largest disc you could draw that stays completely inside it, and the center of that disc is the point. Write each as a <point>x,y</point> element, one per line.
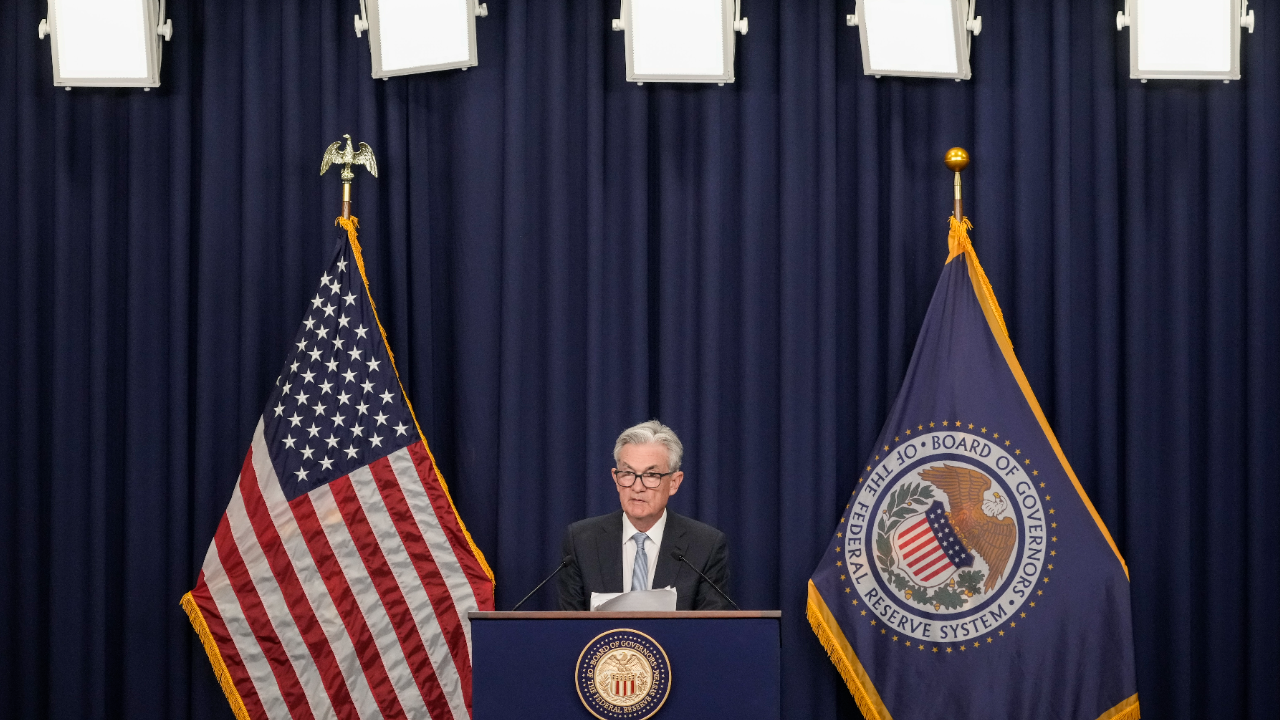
<point>338,402</point>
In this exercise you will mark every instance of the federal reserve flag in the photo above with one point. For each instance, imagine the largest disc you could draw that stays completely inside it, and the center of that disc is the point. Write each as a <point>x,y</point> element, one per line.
<point>338,583</point>
<point>970,576</point>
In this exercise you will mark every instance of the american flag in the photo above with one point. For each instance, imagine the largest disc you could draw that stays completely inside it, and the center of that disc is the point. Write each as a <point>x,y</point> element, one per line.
<point>340,577</point>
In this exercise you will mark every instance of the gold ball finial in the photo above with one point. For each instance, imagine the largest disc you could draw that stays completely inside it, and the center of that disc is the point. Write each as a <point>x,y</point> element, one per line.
<point>956,159</point>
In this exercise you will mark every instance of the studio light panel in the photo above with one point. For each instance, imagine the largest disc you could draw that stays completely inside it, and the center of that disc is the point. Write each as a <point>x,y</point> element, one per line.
<point>678,37</point>
<point>915,38</point>
<point>680,40</point>
<point>912,35</point>
<point>105,43</point>
<point>415,36</point>
<point>1187,39</point>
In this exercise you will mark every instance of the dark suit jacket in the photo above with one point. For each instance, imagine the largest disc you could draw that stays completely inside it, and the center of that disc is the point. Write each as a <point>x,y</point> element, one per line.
<point>595,546</point>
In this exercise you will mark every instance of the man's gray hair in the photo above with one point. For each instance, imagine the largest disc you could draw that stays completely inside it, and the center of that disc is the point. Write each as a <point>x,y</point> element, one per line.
<point>650,432</point>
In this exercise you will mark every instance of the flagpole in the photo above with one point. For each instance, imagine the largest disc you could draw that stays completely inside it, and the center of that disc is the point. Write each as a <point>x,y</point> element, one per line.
<point>956,160</point>
<point>348,176</point>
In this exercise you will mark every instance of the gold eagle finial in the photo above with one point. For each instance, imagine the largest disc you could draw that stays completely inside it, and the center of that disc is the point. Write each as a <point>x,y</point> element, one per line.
<point>347,157</point>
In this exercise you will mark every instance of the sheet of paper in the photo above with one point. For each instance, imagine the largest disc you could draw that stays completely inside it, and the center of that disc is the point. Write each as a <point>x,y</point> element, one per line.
<point>660,600</point>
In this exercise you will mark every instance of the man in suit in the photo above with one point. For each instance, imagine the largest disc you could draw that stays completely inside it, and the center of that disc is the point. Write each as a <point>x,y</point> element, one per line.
<point>631,549</point>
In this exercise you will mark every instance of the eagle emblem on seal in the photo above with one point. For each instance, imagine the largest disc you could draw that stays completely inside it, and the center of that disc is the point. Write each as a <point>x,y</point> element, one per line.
<point>937,543</point>
<point>623,676</point>
<point>976,520</point>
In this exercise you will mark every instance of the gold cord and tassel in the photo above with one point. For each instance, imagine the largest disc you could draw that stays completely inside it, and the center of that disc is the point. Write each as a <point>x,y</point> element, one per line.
<point>958,243</point>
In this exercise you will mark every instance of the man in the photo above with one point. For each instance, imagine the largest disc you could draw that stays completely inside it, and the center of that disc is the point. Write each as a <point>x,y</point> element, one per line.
<point>631,549</point>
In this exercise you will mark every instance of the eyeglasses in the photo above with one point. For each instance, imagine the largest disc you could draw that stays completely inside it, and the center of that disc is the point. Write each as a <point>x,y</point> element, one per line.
<point>627,478</point>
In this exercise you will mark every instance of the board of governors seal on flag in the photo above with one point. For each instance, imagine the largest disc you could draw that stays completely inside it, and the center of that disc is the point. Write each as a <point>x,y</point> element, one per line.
<point>623,675</point>
<point>945,537</point>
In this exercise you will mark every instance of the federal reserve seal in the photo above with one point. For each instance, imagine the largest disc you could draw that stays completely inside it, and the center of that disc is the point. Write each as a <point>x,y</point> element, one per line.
<point>623,674</point>
<point>946,537</point>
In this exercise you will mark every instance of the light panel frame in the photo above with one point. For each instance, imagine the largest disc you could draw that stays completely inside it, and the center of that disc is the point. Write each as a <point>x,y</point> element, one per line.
<point>964,26</point>
<point>155,28</point>
<point>1241,17</point>
<point>370,21</point>
<point>730,24</point>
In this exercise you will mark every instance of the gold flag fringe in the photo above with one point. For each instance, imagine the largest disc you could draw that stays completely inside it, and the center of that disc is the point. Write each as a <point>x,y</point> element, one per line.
<point>215,657</point>
<point>1132,713</point>
<point>350,226</point>
<point>957,243</point>
<point>819,617</point>
<point>1127,709</point>
<point>842,665</point>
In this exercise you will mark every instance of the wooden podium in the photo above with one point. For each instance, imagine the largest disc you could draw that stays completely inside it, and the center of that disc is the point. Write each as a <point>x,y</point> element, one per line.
<point>722,664</point>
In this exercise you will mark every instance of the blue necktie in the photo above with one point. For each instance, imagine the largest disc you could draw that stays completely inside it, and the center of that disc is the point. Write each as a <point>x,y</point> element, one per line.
<point>640,571</point>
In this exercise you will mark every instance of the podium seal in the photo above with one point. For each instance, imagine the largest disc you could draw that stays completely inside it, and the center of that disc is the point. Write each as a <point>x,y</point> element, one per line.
<point>623,675</point>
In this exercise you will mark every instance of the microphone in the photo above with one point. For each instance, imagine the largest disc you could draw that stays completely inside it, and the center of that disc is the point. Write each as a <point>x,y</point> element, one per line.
<point>680,556</point>
<point>567,559</point>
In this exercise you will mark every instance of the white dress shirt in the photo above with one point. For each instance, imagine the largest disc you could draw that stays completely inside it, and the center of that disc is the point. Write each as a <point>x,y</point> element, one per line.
<point>650,548</point>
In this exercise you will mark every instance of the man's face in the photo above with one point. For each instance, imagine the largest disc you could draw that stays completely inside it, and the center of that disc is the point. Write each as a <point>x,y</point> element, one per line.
<point>641,504</point>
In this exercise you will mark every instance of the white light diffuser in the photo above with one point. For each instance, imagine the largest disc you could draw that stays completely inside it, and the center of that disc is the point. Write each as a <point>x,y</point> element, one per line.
<point>416,36</point>
<point>680,40</point>
<point>916,38</point>
<point>106,43</point>
<point>1188,39</point>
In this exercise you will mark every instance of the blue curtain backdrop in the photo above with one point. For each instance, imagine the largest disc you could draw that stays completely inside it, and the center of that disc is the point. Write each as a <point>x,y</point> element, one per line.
<point>559,254</point>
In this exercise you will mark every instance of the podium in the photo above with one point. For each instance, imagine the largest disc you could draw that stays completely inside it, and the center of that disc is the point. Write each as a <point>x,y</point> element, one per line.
<point>541,664</point>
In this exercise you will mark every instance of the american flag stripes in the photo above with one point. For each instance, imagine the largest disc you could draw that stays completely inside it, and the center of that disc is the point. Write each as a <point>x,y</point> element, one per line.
<point>338,582</point>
